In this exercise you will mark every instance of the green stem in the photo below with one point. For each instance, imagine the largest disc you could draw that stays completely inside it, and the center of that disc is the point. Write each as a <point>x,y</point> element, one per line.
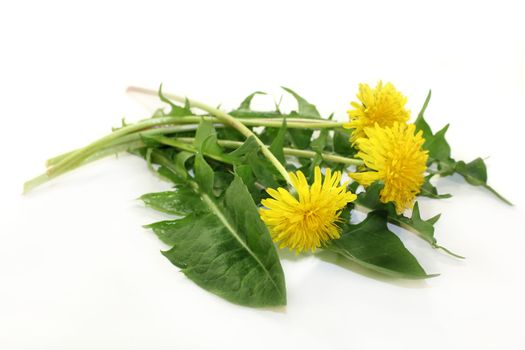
<point>286,150</point>
<point>129,138</point>
<point>72,160</point>
<point>75,158</point>
<point>274,123</point>
<point>134,141</point>
<point>231,121</point>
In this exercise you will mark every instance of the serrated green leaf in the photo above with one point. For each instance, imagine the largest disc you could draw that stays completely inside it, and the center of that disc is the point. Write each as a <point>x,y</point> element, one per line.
<point>446,167</point>
<point>278,143</point>
<point>342,144</point>
<point>305,108</point>
<point>228,250</point>
<point>437,146</point>
<point>319,144</point>
<point>246,103</point>
<point>206,139</point>
<point>179,165</point>
<point>204,176</point>
<point>244,171</point>
<point>175,111</point>
<point>180,202</point>
<point>372,245</point>
<point>230,134</point>
<point>264,171</point>
<point>430,191</point>
<point>248,147</point>
<point>221,181</point>
<point>168,231</point>
<point>475,173</point>
<point>420,122</point>
<point>424,229</point>
<point>301,138</point>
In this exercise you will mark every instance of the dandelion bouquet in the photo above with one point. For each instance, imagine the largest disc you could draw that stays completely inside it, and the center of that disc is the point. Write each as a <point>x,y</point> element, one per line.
<point>246,179</point>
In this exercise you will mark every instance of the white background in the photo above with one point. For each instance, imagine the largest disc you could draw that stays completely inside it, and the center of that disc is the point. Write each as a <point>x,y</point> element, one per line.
<point>78,271</point>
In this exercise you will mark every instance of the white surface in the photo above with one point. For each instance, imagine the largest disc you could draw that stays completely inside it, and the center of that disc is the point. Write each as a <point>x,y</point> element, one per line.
<point>78,271</point>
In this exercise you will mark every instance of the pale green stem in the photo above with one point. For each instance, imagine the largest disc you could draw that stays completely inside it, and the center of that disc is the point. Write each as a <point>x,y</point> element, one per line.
<point>287,151</point>
<point>233,122</point>
<point>72,160</point>
<point>128,138</point>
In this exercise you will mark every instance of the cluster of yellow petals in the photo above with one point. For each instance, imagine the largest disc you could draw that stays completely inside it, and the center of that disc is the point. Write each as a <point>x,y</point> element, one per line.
<point>392,152</point>
<point>395,156</point>
<point>308,218</point>
<point>382,105</point>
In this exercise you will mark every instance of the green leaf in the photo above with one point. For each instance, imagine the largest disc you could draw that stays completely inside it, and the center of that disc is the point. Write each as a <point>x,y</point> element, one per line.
<point>223,245</point>
<point>204,176</point>
<point>420,122</point>
<point>246,149</point>
<point>342,144</point>
<point>245,111</point>
<point>305,108</point>
<point>228,250</point>
<point>319,144</point>
<point>445,167</point>
<point>372,245</point>
<point>175,111</point>
<point>180,202</point>
<point>179,165</point>
<point>169,231</point>
<point>437,146</point>
<point>278,143</point>
<point>475,173</point>
<point>430,191</point>
<point>424,229</point>
<point>264,171</point>
<point>174,171</point>
<point>301,137</point>
<point>245,173</point>
<point>246,103</point>
<point>206,139</point>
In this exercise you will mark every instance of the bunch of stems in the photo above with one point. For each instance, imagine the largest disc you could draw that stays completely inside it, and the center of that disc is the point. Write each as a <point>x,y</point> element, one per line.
<point>130,137</point>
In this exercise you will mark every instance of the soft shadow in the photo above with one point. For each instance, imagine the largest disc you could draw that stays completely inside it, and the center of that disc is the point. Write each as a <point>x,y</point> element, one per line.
<point>336,259</point>
<point>289,255</point>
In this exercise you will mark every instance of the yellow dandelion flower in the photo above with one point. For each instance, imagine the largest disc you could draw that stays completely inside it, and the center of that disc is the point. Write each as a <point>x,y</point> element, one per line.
<point>383,105</point>
<point>308,219</point>
<point>397,158</point>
